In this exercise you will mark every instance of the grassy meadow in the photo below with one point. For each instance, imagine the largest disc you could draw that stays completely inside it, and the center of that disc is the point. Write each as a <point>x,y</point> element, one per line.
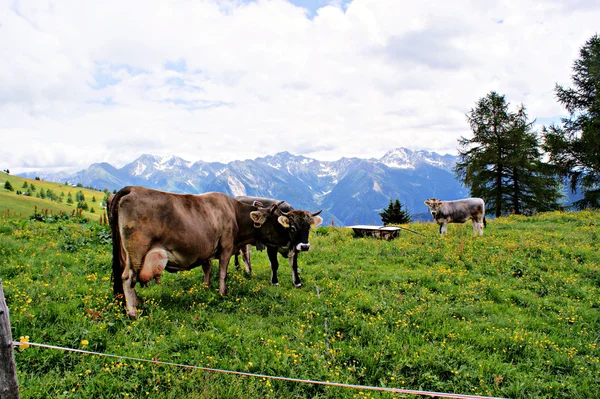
<point>515,314</point>
<point>24,206</point>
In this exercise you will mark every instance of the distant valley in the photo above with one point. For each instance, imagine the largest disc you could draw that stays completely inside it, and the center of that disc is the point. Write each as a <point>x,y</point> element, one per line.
<point>349,190</point>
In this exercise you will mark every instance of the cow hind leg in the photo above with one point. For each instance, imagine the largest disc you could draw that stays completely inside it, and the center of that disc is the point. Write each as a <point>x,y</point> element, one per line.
<point>131,297</point>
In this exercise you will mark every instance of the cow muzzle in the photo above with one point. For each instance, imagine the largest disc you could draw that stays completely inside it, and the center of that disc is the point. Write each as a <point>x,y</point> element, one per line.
<point>303,247</point>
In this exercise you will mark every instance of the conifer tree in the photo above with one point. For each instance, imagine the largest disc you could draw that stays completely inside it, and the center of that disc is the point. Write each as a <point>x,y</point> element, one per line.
<point>394,214</point>
<point>502,162</point>
<point>574,147</point>
<point>8,186</point>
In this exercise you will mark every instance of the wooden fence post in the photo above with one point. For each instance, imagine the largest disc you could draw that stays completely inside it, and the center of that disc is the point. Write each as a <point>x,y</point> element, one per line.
<point>9,386</point>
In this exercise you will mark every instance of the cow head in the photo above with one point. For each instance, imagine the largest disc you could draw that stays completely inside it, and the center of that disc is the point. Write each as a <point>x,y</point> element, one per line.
<point>434,206</point>
<point>298,224</point>
<point>260,216</point>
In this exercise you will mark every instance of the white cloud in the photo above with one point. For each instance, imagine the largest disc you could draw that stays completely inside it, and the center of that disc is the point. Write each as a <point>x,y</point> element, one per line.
<point>86,82</point>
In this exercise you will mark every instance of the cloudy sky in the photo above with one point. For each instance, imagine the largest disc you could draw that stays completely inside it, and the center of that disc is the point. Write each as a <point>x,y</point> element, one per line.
<point>91,81</point>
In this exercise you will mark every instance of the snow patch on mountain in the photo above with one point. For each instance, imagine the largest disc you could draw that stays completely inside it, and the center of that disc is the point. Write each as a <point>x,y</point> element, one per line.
<point>236,186</point>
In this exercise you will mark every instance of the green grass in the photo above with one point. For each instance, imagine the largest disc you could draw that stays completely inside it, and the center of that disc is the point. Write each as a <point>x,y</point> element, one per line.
<point>514,313</point>
<point>23,206</point>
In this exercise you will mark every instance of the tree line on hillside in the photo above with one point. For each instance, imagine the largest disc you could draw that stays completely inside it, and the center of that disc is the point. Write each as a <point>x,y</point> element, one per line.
<point>515,169</point>
<point>79,201</point>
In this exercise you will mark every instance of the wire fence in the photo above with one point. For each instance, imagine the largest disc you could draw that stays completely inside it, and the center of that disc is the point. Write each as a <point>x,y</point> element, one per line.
<point>264,376</point>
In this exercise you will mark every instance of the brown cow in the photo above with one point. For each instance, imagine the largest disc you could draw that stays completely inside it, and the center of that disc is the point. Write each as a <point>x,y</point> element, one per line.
<point>297,225</point>
<point>155,231</point>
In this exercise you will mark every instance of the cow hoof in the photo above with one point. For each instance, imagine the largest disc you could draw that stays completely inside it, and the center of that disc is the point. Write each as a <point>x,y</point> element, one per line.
<point>275,284</point>
<point>298,285</point>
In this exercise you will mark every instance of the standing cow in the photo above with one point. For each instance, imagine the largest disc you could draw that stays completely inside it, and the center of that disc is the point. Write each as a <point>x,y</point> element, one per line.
<point>296,228</point>
<point>458,211</point>
<point>154,231</point>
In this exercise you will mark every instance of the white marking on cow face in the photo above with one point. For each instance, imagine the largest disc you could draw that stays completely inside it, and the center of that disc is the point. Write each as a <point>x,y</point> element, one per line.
<point>303,246</point>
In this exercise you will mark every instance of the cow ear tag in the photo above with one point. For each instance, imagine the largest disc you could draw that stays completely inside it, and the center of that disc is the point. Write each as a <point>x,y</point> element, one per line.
<point>285,222</point>
<point>315,221</point>
<point>257,217</point>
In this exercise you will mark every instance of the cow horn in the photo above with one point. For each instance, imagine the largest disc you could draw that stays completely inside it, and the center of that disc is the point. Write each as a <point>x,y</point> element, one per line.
<point>280,211</point>
<point>316,213</point>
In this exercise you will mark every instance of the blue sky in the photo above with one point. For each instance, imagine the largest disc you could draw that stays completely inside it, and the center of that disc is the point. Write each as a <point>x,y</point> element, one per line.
<point>219,80</point>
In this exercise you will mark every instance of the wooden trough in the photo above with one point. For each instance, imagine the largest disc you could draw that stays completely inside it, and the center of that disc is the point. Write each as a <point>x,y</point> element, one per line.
<point>381,232</point>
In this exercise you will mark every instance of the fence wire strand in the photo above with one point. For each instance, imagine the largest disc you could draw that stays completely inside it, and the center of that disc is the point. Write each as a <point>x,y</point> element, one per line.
<point>271,377</point>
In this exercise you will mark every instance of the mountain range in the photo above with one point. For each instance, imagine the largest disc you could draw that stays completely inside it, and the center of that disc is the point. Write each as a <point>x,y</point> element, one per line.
<point>349,190</point>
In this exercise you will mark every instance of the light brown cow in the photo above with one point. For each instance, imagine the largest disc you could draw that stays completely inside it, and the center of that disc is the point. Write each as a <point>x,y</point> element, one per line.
<point>155,231</point>
<point>458,211</point>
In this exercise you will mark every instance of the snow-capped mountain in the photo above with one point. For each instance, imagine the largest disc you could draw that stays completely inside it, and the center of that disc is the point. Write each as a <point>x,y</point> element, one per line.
<point>349,190</point>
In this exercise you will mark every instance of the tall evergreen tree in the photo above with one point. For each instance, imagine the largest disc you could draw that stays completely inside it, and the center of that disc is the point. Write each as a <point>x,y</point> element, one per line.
<point>574,147</point>
<point>502,163</point>
<point>8,186</point>
<point>394,214</point>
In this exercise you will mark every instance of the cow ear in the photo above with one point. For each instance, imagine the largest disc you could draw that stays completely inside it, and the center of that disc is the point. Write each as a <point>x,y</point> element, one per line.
<point>284,221</point>
<point>427,202</point>
<point>257,217</point>
<point>315,221</point>
<point>258,204</point>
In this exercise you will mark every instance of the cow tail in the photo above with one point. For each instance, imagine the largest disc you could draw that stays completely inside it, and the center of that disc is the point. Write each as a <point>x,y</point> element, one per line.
<point>484,223</point>
<point>113,220</point>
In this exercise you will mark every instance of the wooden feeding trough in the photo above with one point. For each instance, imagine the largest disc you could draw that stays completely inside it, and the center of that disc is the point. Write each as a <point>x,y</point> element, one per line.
<point>381,232</point>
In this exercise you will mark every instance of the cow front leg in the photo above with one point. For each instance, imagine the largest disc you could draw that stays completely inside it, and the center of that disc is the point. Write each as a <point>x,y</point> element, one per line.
<point>207,268</point>
<point>293,256</point>
<point>272,253</point>
<point>246,253</point>
<point>223,263</point>
<point>443,228</point>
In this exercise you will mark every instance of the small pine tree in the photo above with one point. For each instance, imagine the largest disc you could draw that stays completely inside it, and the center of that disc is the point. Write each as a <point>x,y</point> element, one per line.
<point>69,198</point>
<point>92,210</point>
<point>93,198</point>
<point>42,194</point>
<point>8,186</point>
<point>25,185</point>
<point>31,188</point>
<point>394,214</point>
